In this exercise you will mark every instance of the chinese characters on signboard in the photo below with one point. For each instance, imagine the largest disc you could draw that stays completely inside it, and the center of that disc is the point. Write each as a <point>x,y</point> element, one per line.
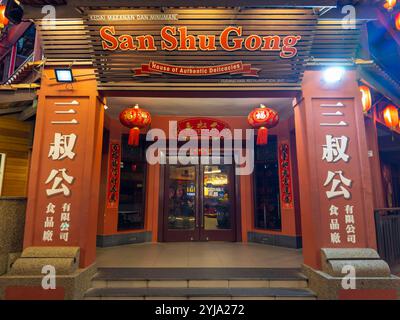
<point>114,175</point>
<point>198,124</point>
<point>285,176</point>
<point>338,182</point>
<point>59,181</point>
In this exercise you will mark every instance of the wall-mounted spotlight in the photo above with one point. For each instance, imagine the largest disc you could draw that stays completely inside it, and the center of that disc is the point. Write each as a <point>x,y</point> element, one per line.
<point>64,75</point>
<point>333,74</point>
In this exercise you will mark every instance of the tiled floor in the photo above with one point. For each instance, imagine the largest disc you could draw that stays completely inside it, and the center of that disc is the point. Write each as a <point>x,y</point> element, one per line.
<point>199,254</point>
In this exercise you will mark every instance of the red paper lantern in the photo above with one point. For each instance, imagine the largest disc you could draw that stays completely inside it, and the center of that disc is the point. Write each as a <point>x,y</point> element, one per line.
<point>389,5</point>
<point>397,21</point>
<point>134,118</point>
<point>3,19</point>
<point>391,116</point>
<point>366,98</point>
<point>263,118</point>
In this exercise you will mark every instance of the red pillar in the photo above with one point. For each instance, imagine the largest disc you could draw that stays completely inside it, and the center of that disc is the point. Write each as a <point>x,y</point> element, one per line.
<point>65,171</point>
<point>374,160</point>
<point>334,170</point>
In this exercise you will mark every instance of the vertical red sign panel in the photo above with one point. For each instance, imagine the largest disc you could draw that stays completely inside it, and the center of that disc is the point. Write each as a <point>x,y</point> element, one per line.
<point>339,172</point>
<point>114,175</point>
<point>285,176</point>
<point>61,174</point>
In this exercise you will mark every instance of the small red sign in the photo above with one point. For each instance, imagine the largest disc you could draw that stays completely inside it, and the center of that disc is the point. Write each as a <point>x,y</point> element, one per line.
<point>114,175</point>
<point>198,124</point>
<point>234,68</point>
<point>285,176</point>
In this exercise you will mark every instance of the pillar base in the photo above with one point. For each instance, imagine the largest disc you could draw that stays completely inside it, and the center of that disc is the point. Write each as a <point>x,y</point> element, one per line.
<point>24,279</point>
<point>373,280</point>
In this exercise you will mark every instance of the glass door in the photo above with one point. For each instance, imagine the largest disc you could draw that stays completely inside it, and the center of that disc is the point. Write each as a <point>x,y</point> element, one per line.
<point>217,214</point>
<point>180,214</point>
<point>199,203</point>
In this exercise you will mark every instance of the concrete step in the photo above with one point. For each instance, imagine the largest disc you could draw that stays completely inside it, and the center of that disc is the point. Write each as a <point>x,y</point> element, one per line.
<point>199,274</point>
<point>199,293</point>
<point>199,283</point>
<point>199,278</point>
<point>176,283</point>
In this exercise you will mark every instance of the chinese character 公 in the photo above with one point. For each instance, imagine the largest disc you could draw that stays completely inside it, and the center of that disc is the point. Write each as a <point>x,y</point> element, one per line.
<point>59,187</point>
<point>335,184</point>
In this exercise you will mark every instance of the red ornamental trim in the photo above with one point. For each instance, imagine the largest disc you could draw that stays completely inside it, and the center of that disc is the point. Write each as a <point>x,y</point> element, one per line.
<point>114,175</point>
<point>201,123</point>
<point>285,176</point>
<point>234,68</point>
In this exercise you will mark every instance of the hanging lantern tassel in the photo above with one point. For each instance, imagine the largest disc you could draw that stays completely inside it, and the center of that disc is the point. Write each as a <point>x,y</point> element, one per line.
<point>134,134</point>
<point>262,136</point>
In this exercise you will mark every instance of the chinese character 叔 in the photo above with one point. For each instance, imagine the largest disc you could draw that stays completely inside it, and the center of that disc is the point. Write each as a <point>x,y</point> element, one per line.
<point>335,184</point>
<point>62,147</point>
<point>335,149</point>
<point>59,187</point>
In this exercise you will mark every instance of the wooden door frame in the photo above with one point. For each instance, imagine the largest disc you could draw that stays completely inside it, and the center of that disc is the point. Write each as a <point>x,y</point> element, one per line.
<point>161,205</point>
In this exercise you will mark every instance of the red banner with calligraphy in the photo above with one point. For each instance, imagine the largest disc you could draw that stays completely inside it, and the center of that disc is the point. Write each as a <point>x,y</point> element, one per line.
<point>113,175</point>
<point>234,68</point>
<point>198,124</point>
<point>285,176</point>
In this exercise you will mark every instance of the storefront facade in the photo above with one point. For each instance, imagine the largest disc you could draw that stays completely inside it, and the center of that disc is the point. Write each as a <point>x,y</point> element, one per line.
<point>312,186</point>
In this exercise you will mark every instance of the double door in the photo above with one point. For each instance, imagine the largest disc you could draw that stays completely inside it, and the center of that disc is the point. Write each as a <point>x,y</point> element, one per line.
<point>199,203</point>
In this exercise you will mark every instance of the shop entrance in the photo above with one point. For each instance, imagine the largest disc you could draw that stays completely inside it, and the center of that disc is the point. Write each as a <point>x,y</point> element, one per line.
<point>199,203</point>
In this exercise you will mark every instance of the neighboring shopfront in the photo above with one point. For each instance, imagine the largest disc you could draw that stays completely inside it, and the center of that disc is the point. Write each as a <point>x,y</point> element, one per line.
<point>310,186</point>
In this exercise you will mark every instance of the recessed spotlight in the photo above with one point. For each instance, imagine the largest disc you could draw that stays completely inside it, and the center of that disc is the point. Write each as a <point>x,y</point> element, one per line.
<point>333,74</point>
